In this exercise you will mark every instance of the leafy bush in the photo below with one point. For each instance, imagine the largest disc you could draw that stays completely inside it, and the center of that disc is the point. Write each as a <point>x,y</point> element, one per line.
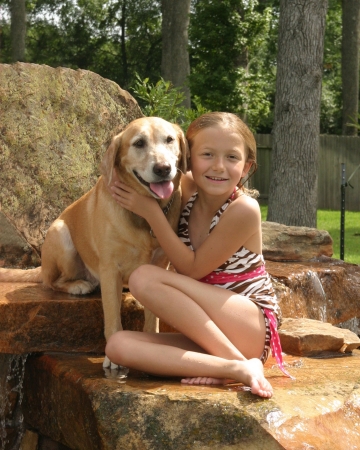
<point>164,100</point>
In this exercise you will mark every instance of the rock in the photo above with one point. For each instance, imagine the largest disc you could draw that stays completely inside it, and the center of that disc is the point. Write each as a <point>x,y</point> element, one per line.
<point>71,400</point>
<point>289,243</point>
<point>307,337</point>
<point>34,318</point>
<point>15,251</point>
<point>326,289</point>
<point>55,126</point>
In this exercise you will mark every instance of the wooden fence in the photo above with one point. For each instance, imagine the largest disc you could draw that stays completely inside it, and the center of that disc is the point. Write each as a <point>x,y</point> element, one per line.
<point>333,151</point>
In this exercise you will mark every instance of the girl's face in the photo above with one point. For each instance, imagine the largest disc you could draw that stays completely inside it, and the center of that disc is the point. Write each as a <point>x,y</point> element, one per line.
<point>218,160</point>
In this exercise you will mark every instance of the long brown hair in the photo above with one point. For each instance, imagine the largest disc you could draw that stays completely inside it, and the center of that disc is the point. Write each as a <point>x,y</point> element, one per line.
<point>228,120</point>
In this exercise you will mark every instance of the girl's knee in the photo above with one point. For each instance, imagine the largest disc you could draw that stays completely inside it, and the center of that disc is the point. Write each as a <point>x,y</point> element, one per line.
<point>140,278</point>
<point>117,347</point>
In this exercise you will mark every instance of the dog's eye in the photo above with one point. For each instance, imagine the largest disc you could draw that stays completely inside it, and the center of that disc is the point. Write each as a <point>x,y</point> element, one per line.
<point>169,139</point>
<point>139,143</point>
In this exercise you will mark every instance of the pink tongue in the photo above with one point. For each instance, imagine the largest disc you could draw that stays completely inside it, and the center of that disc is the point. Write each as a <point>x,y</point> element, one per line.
<point>163,189</point>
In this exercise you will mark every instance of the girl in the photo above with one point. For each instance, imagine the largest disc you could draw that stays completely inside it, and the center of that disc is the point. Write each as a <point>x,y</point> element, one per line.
<point>221,299</point>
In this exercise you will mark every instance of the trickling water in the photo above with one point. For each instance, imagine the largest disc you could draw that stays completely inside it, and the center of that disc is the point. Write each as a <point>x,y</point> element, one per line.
<point>318,288</point>
<point>12,369</point>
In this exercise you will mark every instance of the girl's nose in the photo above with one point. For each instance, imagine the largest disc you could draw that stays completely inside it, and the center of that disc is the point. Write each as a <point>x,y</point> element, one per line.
<point>218,164</point>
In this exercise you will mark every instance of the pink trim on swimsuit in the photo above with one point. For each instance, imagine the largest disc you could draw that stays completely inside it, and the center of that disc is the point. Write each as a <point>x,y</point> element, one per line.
<point>275,344</point>
<point>223,277</point>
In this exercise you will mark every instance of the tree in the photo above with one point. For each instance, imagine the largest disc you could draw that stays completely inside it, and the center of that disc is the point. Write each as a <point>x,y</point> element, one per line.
<point>293,180</point>
<point>18,30</point>
<point>175,66</point>
<point>350,51</point>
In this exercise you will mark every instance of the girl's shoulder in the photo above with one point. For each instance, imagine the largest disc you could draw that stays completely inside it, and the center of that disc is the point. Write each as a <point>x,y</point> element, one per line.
<point>245,206</point>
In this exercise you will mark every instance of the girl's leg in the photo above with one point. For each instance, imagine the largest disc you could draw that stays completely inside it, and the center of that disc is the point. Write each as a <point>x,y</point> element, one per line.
<point>172,354</point>
<point>222,323</point>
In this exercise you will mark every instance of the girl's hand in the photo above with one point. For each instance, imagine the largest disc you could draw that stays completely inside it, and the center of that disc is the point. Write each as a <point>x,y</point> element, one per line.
<point>129,199</point>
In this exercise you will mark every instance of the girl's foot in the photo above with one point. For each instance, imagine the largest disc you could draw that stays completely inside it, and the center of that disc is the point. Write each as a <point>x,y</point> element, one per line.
<point>251,373</point>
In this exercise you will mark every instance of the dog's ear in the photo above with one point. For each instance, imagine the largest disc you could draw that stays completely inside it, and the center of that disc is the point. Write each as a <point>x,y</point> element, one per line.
<point>109,158</point>
<point>185,154</point>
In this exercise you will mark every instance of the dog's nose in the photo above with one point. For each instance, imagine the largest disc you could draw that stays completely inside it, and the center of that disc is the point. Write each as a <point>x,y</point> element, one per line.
<point>162,170</point>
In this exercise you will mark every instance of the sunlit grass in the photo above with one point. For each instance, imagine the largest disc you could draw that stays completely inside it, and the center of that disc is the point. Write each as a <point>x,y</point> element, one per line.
<point>330,221</point>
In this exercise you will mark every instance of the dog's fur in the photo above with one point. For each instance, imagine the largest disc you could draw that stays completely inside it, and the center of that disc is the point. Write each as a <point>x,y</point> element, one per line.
<point>95,240</point>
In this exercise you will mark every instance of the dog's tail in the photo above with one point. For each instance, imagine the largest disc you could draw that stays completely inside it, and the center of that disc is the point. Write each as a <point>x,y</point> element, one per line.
<point>20,275</point>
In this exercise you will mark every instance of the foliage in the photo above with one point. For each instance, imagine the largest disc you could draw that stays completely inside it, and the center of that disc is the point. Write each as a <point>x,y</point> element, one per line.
<point>331,103</point>
<point>233,49</point>
<point>162,99</point>
<point>88,34</point>
<point>227,42</point>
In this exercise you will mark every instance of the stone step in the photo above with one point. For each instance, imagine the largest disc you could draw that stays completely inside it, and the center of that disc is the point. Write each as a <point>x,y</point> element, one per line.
<point>34,318</point>
<point>70,399</point>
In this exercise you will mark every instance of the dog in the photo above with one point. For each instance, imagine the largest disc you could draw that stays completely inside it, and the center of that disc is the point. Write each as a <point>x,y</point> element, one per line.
<point>96,241</point>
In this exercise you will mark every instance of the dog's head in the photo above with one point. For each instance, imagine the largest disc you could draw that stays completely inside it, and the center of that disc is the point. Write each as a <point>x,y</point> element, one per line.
<point>149,154</point>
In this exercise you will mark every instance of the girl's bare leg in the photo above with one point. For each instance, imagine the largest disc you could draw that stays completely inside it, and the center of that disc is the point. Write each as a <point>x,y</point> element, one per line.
<point>222,323</point>
<point>172,354</point>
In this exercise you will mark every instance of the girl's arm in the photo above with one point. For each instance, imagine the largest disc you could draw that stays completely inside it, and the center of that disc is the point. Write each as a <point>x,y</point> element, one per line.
<point>241,221</point>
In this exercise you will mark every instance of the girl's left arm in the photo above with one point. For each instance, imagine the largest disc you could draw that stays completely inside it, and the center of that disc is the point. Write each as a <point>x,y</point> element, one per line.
<point>239,223</point>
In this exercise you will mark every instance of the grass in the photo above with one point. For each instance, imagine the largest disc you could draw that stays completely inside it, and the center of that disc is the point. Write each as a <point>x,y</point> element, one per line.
<point>330,221</point>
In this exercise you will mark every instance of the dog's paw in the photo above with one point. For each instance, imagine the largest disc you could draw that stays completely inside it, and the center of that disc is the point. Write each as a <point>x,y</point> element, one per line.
<point>81,287</point>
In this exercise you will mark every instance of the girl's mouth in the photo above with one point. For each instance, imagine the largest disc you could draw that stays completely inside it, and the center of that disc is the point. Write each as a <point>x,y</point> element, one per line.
<point>216,178</point>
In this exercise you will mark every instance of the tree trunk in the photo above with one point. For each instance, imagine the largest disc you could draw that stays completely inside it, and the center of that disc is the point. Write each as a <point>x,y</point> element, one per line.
<point>293,180</point>
<point>350,50</point>
<point>18,30</point>
<point>175,65</point>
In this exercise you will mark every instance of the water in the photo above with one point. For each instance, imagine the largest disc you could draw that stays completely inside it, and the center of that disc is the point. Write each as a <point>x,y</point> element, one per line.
<point>12,370</point>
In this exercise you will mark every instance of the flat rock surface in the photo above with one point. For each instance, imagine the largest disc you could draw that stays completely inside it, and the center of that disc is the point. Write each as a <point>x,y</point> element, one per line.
<point>307,337</point>
<point>70,399</point>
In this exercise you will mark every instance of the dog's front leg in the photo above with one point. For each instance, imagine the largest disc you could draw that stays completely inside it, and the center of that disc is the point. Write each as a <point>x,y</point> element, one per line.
<point>111,294</point>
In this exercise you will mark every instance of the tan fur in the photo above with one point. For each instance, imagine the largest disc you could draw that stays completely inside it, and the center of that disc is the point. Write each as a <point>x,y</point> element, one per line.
<point>95,240</point>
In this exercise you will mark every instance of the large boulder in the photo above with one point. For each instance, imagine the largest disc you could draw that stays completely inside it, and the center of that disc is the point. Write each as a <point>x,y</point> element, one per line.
<point>55,126</point>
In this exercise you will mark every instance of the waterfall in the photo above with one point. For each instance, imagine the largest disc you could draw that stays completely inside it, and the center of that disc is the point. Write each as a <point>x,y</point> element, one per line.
<point>12,370</point>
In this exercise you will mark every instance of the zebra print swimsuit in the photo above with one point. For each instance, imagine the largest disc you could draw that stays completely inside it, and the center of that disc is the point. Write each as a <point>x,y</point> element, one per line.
<point>243,273</point>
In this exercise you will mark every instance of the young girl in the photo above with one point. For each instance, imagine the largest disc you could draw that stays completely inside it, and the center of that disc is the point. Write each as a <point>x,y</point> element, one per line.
<point>220,299</point>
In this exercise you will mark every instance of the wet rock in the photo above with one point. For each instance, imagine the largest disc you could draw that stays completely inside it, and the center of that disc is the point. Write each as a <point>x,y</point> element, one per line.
<point>307,337</point>
<point>326,289</point>
<point>55,126</point>
<point>70,399</point>
<point>289,243</point>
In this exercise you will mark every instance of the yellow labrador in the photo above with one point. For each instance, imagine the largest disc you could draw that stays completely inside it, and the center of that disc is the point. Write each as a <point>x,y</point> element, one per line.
<point>95,240</point>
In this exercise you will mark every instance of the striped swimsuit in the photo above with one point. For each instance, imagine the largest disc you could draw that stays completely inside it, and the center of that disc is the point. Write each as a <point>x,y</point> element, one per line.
<point>245,274</point>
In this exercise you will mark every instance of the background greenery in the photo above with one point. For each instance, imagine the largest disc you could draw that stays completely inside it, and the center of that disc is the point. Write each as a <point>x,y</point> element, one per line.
<point>233,47</point>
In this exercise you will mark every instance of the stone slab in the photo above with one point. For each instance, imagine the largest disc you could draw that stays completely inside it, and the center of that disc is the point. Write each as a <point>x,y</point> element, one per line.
<point>70,399</point>
<point>290,243</point>
<point>325,289</point>
<point>34,318</point>
<point>307,337</point>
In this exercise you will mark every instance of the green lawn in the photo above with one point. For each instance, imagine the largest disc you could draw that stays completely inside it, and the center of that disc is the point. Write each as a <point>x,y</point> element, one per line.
<point>330,221</point>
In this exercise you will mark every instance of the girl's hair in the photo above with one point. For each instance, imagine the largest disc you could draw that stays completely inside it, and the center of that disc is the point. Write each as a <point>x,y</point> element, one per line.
<point>228,120</point>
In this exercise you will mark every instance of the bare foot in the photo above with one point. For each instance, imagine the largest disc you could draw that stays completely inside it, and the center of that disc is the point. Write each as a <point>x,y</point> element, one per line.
<point>250,373</point>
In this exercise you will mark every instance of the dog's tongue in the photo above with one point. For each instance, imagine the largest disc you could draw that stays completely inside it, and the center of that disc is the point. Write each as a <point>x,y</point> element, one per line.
<point>163,189</point>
